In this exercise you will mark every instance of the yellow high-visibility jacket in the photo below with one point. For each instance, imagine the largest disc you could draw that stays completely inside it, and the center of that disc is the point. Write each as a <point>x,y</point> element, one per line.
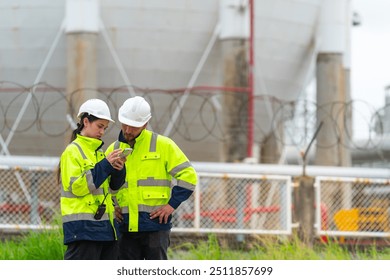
<point>82,165</point>
<point>157,173</point>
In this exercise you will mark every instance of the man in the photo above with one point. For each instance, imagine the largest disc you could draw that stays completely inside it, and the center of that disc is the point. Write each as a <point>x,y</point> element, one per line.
<point>159,177</point>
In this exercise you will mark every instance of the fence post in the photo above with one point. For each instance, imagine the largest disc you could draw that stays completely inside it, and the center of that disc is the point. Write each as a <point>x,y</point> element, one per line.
<point>34,204</point>
<point>306,199</point>
<point>305,210</point>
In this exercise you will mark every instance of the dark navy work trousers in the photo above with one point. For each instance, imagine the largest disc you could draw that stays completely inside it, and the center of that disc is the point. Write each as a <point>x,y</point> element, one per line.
<point>148,245</point>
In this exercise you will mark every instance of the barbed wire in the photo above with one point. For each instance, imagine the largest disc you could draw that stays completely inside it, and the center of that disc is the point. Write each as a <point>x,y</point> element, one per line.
<point>203,116</point>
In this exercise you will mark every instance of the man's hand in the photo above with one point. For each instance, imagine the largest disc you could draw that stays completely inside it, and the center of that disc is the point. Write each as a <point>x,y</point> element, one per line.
<point>118,214</point>
<point>162,213</point>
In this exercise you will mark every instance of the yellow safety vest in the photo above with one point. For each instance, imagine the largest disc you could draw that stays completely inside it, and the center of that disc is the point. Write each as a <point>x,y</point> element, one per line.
<point>155,161</point>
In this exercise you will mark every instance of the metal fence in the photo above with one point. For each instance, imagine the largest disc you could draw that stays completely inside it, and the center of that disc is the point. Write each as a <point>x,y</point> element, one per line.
<point>234,203</point>
<point>224,202</point>
<point>29,197</point>
<point>353,207</point>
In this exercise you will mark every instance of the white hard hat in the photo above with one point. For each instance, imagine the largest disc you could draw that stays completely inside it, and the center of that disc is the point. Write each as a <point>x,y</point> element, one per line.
<point>134,112</point>
<point>97,108</point>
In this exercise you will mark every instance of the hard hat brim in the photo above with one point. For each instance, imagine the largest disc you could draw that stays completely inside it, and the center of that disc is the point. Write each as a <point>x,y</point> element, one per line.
<point>132,123</point>
<point>105,118</point>
<point>97,116</point>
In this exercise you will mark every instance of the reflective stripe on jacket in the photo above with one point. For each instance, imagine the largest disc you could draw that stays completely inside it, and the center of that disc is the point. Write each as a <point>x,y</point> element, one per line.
<point>157,173</point>
<point>80,197</point>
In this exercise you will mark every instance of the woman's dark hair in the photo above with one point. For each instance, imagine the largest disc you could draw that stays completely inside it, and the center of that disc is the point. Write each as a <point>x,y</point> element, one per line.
<point>80,126</point>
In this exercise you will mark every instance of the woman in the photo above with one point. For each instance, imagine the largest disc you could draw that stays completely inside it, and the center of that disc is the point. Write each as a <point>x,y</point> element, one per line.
<point>85,179</point>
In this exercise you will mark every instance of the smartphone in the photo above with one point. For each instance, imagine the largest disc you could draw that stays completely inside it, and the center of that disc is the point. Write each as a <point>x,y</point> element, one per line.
<point>125,152</point>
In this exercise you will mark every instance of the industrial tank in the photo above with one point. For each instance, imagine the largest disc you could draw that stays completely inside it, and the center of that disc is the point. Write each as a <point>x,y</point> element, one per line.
<point>185,57</point>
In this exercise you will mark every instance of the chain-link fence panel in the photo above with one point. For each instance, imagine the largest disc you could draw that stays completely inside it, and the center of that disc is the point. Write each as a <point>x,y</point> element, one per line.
<point>355,207</point>
<point>28,197</point>
<point>232,203</point>
<point>221,203</point>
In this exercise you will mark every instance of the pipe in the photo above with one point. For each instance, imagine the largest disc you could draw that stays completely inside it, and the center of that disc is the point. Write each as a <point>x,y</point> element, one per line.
<point>31,162</point>
<point>250,81</point>
<point>291,170</point>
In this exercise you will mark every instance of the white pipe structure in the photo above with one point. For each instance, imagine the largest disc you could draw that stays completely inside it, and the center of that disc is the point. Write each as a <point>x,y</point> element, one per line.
<point>82,16</point>
<point>333,27</point>
<point>233,168</point>
<point>292,170</point>
<point>29,162</point>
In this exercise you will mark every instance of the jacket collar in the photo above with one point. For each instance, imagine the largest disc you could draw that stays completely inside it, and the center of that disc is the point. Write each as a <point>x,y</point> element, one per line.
<point>92,143</point>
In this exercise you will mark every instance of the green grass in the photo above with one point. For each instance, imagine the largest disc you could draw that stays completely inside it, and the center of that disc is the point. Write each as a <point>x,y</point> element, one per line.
<point>275,249</point>
<point>47,245</point>
<point>44,244</point>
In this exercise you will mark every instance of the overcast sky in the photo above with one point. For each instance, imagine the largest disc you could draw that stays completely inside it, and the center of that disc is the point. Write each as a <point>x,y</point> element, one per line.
<point>370,51</point>
<point>370,58</point>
